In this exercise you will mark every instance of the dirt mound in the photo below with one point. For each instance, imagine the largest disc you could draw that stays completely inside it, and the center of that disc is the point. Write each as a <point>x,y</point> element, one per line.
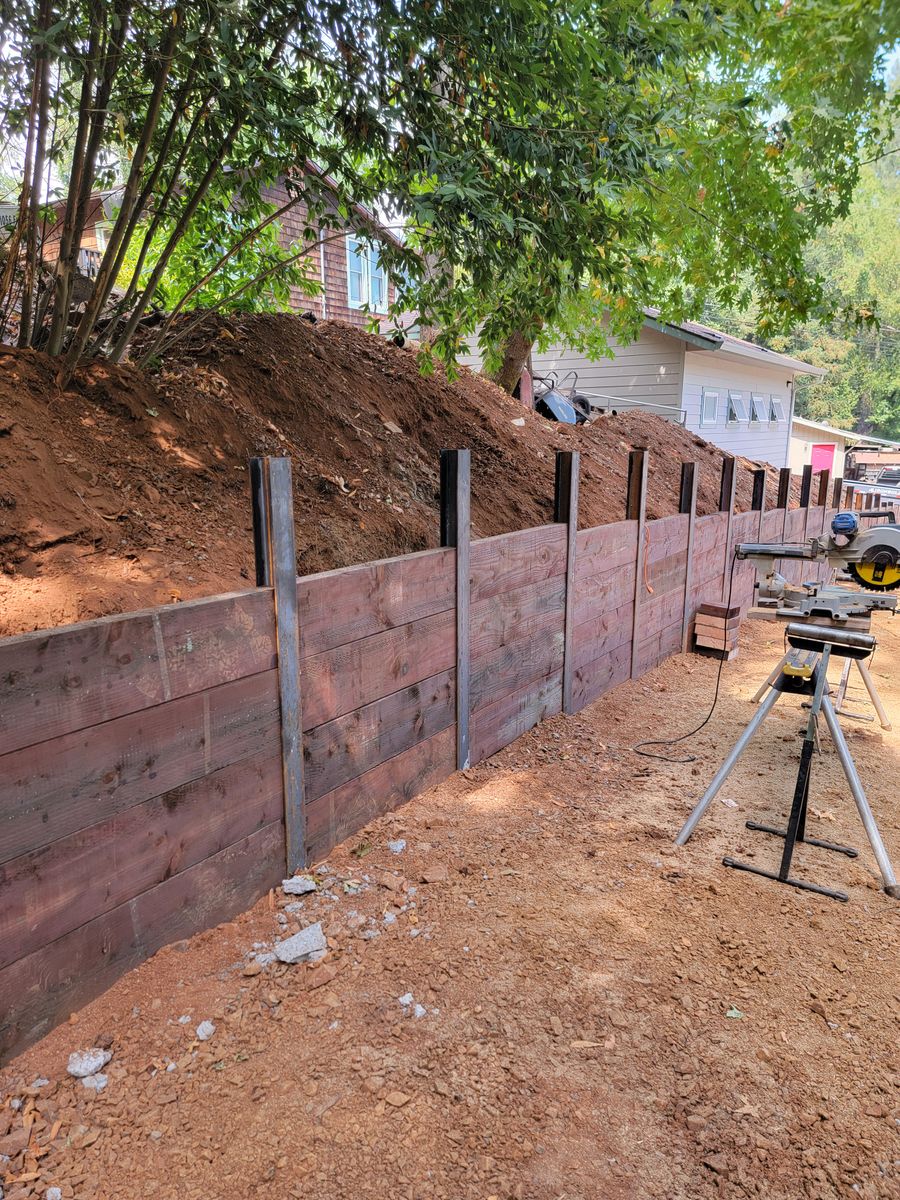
<point>130,488</point>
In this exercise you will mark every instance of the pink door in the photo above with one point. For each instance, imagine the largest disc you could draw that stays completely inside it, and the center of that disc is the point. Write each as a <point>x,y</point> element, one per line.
<point>823,457</point>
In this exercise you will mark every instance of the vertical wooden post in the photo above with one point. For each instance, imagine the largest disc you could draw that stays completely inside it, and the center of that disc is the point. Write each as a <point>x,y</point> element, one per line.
<point>565,511</point>
<point>636,510</point>
<point>837,494</point>
<point>726,504</point>
<point>806,486</point>
<point>806,496</point>
<point>687,503</point>
<point>276,567</point>
<point>824,483</point>
<point>822,498</point>
<point>456,532</point>
<point>784,496</point>
<point>260,519</point>
<point>758,499</point>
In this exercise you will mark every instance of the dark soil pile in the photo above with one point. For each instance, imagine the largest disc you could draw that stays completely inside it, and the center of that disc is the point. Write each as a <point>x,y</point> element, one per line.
<point>130,489</point>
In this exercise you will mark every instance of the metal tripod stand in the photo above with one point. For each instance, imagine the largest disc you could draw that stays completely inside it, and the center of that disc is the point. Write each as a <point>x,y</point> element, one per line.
<point>803,672</point>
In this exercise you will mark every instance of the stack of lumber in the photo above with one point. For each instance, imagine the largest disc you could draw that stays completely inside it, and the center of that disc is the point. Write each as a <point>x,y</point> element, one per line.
<point>716,630</point>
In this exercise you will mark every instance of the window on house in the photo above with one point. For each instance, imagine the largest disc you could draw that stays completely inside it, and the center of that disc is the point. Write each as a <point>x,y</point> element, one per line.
<point>366,278</point>
<point>737,408</point>
<point>709,406</point>
<point>759,408</point>
<point>776,410</point>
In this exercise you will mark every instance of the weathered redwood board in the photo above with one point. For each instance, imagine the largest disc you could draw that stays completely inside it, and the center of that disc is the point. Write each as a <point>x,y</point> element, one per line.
<point>605,548</point>
<point>357,673</point>
<point>498,724</point>
<point>39,990</point>
<point>515,615</point>
<point>343,606</point>
<point>58,787</point>
<point>351,745</point>
<point>52,891</point>
<point>513,560</point>
<point>599,675</point>
<point>61,680</point>
<point>344,811</point>
<point>512,667</point>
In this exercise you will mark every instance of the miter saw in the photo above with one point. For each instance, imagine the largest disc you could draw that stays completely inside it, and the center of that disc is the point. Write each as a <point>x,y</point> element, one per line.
<point>871,558</point>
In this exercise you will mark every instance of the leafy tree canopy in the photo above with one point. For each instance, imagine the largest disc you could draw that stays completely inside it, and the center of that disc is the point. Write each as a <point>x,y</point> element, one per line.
<point>653,150</point>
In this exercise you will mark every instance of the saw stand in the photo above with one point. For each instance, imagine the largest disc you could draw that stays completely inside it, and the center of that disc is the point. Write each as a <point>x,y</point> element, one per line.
<point>841,699</point>
<point>803,672</point>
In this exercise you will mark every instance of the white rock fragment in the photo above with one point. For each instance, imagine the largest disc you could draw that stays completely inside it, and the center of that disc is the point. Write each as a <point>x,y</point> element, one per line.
<point>405,1000</point>
<point>302,945</point>
<point>205,1030</point>
<point>53,1193</point>
<point>420,1011</point>
<point>95,1083</point>
<point>87,1062</point>
<point>398,846</point>
<point>298,886</point>
<point>294,907</point>
<point>40,1082</point>
<point>390,918</point>
<point>185,1019</point>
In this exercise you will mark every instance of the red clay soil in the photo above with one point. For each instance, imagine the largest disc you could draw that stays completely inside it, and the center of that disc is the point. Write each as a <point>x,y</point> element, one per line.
<point>606,1017</point>
<point>130,489</point>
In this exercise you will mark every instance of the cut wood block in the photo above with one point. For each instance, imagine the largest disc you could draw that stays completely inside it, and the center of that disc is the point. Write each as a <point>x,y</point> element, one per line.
<point>727,655</point>
<point>715,643</point>
<point>716,624</point>
<point>719,610</point>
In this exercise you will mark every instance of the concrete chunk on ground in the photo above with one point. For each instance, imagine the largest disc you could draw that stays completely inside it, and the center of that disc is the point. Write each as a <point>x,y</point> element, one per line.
<point>302,945</point>
<point>87,1062</point>
<point>298,886</point>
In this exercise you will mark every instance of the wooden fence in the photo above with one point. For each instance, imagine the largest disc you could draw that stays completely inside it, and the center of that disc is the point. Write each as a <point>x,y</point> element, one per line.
<point>160,770</point>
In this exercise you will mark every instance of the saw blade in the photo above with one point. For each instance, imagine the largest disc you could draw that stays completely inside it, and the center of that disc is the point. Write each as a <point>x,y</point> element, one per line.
<point>875,577</point>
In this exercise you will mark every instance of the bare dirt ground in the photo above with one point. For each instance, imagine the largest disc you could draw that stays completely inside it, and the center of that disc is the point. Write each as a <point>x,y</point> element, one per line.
<point>130,489</point>
<point>605,1016</point>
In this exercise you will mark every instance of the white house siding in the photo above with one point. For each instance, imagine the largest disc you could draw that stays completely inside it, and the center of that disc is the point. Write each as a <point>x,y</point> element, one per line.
<point>715,369</point>
<point>648,370</point>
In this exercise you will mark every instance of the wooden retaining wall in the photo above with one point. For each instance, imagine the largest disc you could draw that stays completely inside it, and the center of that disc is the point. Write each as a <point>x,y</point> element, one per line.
<point>152,783</point>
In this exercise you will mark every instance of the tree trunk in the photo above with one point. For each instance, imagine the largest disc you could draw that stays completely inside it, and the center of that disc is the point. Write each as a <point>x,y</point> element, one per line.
<point>515,356</point>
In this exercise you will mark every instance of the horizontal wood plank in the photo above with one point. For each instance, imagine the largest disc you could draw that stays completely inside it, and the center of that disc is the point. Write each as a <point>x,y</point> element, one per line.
<point>358,673</point>
<point>513,560</point>
<point>51,891</point>
<point>499,724</point>
<point>58,681</point>
<point>602,594</point>
<point>513,615</point>
<point>603,634</point>
<point>659,646</point>
<point>336,607</point>
<point>347,809</point>
<point>58,787</point>
<point>595,678</point>
<point>605,548</point>
<point>38,991</point>
<point>666,536</point>
<point>351,745</point>
<point>520,663</point>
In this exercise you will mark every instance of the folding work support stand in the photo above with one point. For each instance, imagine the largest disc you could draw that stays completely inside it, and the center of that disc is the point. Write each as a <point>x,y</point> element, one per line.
<point>805,674</point>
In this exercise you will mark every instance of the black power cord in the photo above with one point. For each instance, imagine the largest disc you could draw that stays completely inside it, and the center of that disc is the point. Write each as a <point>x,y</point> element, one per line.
<point>673,741</point>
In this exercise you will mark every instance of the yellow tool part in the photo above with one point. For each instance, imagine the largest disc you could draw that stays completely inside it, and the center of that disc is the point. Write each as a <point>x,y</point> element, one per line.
<point>799,670</point>
<point>875,576</point>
